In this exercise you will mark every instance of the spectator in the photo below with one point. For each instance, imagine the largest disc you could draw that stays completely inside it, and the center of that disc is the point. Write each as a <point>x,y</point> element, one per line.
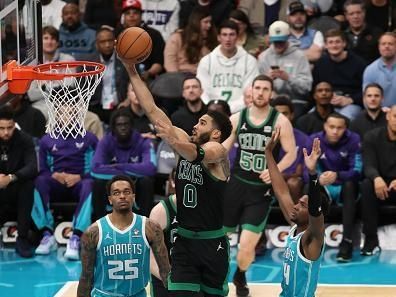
<point>362,37</point>
<point>383,71</point>
<point>76,38</point>
<point>132,17</point>
<point>227,70</point>
<point>287,66</point>
<point>123,151</point>
<point>51,12</point>
<point>162,15</point>
<point>247,38</point>
<point>309,40</point>
<point>64,173</point>
<point>101,12</point>
<point>293,175</point>
<point>373,116</point>
<point>219,10</point>
<point>379,187</point>
<point>313,121</point>
<point>382,14</point>
<point>187,46</point>
<point>27,118</point>
<point>247,96</point>
<point>340,167</point>
<point>343,70</point>
<point>140,121</point>
<point>263,13</point>
<point>112,89</point>
<point>188,115</point>
<point>18,167</point>
<point>51,53</point>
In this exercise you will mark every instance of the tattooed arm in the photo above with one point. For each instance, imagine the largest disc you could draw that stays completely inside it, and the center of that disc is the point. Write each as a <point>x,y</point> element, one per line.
<point>89,241</point>
<point>155,237</point>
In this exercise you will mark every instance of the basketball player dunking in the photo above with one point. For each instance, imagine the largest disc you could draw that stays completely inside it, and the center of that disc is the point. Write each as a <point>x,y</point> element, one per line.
<point>305,243</point>
<point>200,253</point>
<point>115,251</point>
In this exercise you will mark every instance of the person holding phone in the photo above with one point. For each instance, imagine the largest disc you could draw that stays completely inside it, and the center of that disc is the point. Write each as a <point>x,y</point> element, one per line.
<point>287,65</point>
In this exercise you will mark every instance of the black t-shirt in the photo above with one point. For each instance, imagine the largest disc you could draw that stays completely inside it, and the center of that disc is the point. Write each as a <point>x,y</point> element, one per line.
<point>185,119</point>
<point>364,123</point>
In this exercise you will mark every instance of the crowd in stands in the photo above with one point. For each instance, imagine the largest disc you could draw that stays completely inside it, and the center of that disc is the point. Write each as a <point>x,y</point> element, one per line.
<point>333,66</point>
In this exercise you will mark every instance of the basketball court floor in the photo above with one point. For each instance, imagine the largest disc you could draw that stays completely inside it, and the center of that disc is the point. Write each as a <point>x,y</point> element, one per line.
<point>47,276</point>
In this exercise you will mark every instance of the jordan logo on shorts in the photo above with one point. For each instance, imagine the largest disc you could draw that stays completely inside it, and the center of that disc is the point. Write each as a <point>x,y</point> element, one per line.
<point>220,247</point>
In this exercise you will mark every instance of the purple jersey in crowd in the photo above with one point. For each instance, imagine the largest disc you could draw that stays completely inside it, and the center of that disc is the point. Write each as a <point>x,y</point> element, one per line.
<point>135,158</point>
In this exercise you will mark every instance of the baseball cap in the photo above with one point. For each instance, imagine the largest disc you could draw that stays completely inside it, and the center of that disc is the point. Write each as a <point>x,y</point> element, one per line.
<point>295,6</point>
<point>131,4</point>
<point>279,31</point>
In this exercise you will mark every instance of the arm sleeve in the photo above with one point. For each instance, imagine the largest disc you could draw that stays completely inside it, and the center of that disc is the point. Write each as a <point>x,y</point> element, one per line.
<point>354,162</point>
<point>29,170</point>
<point>148,164</point>
<point>370,157</point>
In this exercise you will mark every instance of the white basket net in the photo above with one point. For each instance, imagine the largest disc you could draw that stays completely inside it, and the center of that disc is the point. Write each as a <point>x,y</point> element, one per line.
<point>67,99</point>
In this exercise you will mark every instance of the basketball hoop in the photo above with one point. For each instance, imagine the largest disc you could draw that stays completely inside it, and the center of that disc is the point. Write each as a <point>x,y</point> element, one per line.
<point>67,88</point>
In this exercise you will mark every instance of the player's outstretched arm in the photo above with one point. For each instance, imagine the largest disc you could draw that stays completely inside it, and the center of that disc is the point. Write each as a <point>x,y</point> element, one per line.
<point>155,237</point>
<point>89,241</point>
<point>144,96</point>
<point>146,101</point>
<point>313,238</point>
<point>279,185</point>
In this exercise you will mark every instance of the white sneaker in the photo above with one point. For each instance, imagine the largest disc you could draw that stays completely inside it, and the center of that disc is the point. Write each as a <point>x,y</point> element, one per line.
<point>47,244</point>
<point>73,248</point>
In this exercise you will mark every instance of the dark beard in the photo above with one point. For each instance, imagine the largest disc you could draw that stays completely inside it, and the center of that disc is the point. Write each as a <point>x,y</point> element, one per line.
<point>204,138</point>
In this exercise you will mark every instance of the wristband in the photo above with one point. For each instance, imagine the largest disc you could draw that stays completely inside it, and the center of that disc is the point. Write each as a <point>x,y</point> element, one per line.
<point>200,154</point>
<point>314,197</point>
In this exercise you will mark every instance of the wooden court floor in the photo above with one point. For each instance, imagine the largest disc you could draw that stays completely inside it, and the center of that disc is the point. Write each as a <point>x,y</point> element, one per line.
<point>272,290</point>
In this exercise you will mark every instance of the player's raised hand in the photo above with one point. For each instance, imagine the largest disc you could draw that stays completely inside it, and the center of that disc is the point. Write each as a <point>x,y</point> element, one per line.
<point>311,160</point>
<point>166,132</point>
<point>272,142</point>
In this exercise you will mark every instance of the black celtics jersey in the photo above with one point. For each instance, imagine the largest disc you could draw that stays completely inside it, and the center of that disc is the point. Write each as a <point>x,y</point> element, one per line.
<point>250,159</point>
<point>171,221</point>
<point>199,197</point>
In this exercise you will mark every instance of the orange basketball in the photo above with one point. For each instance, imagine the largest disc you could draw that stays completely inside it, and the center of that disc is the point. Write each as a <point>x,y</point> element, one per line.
<point>134,45</point>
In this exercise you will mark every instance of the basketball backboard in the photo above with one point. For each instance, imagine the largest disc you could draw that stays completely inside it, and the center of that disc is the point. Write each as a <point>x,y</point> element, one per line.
<point>20,25</point>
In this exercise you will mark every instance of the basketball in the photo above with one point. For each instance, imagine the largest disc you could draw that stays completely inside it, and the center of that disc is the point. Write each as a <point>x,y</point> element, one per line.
<point>134,45</point>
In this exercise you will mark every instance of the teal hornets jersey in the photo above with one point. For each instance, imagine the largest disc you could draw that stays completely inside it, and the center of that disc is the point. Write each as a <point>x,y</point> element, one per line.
<point>122,265</point>
<point>250,159</point>
<point>300,275</point>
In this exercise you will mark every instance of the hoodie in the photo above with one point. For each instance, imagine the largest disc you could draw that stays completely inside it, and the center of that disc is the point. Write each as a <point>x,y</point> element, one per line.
<point>226,78</point>
<point>80,43</point>
<point>162,15</point>
<point>294,62</point>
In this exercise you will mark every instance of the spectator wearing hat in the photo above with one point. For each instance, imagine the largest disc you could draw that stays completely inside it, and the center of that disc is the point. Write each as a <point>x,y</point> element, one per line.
<point>188,114</point>
<point>287,65</point>
<point>162,15</point>
<point>309,40</point>
<point>132,17</point>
